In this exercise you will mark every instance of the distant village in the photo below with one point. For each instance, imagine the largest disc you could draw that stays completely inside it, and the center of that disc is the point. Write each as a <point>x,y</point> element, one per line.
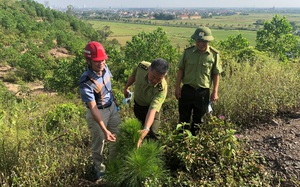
<point>138,14</point>
<point>162,14</point>
<point>169,13</point>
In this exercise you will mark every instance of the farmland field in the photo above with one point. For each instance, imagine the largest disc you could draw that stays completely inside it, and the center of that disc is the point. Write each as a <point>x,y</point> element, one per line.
<point>179,34</point>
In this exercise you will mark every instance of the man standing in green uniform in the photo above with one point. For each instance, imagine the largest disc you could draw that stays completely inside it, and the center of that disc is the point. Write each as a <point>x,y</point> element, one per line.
<point>150,92</point>
<point>198,68</point>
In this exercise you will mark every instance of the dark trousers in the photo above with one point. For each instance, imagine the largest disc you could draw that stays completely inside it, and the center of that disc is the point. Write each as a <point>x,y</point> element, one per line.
<point>192,106</point>
<point>140,113</point>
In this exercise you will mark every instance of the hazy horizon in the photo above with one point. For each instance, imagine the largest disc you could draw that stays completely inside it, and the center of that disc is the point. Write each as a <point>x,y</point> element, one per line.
<point>172,3</point>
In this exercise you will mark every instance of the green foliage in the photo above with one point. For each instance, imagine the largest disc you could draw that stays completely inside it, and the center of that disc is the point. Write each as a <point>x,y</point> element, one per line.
<point>9,150</point>
<point>31,67</point>
<point>105,32</point>
<point>215,157</point>
<point>6,98</point>
<point>234,43</point>
<point>66,75</point>
<point>135,167</point>
<point>276,37</point>
<point>233,48</point>
<point>11,77</point>
<point>163,16</point>
<point>29,155</point>
<point>10,55</point>
<point>67,40</point>
<point>258,92</point>
<point>147,46</point>
<point>60,116</point>
<point>30,30</point>
<point>129,128</point>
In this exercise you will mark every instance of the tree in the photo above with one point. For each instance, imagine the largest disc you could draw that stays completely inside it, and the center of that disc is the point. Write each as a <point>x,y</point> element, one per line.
<point>105,32</point>
<point>70,9</point>
<point>144,46</point>
<point>66,75</point>
<point>234,43</point>
<point>148,46</point>
<point>277,38</point>
<point>235,49</point>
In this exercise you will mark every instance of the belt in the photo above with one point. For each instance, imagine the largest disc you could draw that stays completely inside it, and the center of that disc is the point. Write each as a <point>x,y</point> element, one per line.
<point>140,107</point>
<point>103,107</point>
<point>197,89</point>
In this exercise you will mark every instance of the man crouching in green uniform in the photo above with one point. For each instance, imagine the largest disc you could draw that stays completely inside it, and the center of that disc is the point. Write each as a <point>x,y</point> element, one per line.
<point>150,92</point>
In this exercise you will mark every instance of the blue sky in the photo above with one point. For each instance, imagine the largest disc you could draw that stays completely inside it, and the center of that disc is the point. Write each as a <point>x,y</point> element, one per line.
<point>171,3</point>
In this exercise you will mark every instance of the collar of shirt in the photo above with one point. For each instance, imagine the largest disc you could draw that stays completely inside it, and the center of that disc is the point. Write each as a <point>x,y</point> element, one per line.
<point>148,82</point>
<point>94,75</point>
<point>196,49</point>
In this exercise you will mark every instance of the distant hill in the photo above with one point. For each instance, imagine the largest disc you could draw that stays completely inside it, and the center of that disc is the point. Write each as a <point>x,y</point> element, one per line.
<point>28,28</point>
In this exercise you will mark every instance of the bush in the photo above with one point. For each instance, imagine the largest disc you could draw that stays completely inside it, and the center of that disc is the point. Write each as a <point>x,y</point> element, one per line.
<point>135,166</point>
<point>258,92</point>
<point>63,114</point>
<point>31,156</point>
<point>215,157</point>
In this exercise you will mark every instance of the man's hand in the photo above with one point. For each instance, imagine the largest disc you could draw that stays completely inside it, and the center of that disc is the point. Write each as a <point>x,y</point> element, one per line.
<point>177,93</point>
<point>126,93</point>
<point>110,137</point>
<point>143,134</point>
<point>214,97</point>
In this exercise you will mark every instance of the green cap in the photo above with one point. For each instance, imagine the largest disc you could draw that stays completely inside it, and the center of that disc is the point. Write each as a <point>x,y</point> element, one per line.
<point>202,33</point>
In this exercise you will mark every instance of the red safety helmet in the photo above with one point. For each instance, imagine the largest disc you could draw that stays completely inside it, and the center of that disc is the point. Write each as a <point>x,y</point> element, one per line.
<point>95,51</point>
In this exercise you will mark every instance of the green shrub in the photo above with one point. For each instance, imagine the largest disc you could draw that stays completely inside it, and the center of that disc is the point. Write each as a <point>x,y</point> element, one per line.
<point>215,157</point>
<point>11,77</point>
<point>31,67</point>
<point>134,166</point>
<point>60,116</point>
<point>66,75</point>
<point>258,92</point>
<point>170,110</point>
<point>31,156</point>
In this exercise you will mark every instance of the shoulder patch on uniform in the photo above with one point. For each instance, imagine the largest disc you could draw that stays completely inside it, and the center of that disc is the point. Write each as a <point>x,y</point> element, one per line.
<point>143,66</point>
<point>213,49</point>
<point>160,88</point>
<point>190,47</point>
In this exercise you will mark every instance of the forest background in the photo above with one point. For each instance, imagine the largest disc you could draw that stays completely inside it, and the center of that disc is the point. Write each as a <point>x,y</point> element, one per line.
<point>44,139</point>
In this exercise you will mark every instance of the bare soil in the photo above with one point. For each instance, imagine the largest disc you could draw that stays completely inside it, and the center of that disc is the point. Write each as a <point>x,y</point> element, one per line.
<point>279,142</point>
<point>34,87</point>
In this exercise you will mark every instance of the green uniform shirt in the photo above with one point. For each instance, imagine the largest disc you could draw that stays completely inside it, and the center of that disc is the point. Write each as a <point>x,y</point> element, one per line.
<point>146,94</point>
<point>199,67</point>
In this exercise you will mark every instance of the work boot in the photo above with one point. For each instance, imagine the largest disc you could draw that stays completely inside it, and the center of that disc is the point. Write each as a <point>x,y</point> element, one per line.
<point>101,180</point>
<point>100,171</point>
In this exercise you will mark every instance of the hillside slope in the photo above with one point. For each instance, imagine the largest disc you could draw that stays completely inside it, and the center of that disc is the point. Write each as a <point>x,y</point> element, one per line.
<point>278,141</point>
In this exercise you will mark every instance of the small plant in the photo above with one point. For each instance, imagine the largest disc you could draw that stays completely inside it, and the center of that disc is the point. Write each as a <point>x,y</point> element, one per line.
<point>134,166</point>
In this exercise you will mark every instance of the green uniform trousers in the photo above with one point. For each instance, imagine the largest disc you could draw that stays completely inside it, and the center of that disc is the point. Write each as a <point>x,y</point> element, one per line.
<point>140,113</point>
